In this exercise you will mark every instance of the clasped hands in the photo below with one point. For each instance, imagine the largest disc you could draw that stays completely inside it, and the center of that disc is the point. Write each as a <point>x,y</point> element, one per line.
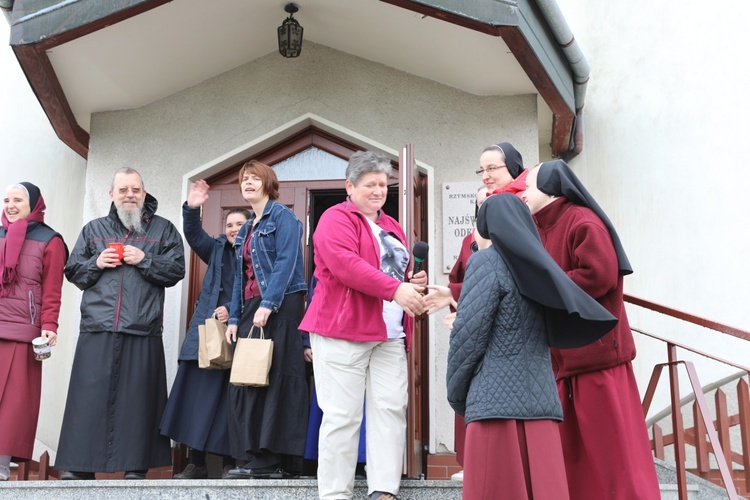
<point>409,295</point>
<point>109,259</point>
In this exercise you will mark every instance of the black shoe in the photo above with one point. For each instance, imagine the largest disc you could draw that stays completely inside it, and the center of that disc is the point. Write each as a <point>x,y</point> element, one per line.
<point>261,473</point>
<point>192,472</point>
<point>135,474</point>
<point>280,473</point>
<point>77,476</point>
<point>361,471</point>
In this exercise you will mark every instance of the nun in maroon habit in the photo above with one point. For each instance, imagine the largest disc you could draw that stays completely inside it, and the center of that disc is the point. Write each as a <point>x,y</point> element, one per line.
<point>515,303</point>
<point>32,258</point>
<point>604,436</point>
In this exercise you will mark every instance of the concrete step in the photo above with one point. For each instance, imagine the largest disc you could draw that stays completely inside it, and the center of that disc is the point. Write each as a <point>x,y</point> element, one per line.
<point>273,489</point>
<point>698,488</point>
<point>229,489</point>
<point>671,492</point>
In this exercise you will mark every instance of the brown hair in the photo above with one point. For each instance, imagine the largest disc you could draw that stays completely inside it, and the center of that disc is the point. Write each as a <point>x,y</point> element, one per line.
<point>267,176</point>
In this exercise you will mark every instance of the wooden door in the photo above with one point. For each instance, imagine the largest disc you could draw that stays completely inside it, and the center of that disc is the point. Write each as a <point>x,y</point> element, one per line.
<point>412,208</point>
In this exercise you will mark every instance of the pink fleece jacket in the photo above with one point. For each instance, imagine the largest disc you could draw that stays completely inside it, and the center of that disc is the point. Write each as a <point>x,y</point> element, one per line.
<point>349,294</point>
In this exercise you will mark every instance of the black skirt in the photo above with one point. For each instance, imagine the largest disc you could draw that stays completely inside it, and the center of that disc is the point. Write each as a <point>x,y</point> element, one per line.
<point>116,397</point>
<point>197,410</point>
<point>273,419</point>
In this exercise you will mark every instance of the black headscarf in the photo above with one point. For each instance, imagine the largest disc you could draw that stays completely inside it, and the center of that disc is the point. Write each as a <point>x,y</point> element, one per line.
<point>555,178</point>
<point>15,234</point>
<point>572,317</point>
<point>513,159</point>
<point>34,193</point>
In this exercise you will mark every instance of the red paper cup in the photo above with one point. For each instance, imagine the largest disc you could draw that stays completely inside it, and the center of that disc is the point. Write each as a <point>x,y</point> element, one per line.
<point>119,248</point>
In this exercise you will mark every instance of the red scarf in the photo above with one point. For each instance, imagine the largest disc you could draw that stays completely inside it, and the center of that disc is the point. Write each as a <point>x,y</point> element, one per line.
<point>15,234</point>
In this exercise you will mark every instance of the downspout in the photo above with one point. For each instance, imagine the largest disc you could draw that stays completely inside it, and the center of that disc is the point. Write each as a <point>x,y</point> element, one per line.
<point>577,61</point>
<point>7,7</point>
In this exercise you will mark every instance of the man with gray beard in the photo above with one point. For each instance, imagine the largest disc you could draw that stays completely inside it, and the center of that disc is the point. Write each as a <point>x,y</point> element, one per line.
<point>118,386</point>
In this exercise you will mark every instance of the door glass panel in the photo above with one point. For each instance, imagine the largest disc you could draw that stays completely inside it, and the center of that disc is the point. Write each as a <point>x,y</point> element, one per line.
<point>311,164</point>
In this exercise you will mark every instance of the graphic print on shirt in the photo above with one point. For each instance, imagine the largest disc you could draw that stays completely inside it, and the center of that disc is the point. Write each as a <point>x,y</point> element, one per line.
<point>394,257</point>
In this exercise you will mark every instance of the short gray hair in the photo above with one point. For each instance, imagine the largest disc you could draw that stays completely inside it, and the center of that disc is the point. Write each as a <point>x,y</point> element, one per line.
<point>494,147</point>
<point>127,171</point>
<point>366,162</point>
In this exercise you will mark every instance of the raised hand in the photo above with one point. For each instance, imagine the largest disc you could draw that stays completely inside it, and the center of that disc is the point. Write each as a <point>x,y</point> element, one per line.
<point>198,194</point>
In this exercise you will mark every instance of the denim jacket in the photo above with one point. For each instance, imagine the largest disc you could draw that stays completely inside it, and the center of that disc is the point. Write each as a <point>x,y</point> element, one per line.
<point>276,248</point>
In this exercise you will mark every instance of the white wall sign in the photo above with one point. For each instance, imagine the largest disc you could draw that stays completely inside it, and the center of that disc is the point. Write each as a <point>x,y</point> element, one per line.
<point>458,218</point>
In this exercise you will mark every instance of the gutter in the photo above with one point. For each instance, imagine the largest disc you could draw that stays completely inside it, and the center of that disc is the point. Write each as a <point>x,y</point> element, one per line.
<point>578,64</point>
<point>7,7</point>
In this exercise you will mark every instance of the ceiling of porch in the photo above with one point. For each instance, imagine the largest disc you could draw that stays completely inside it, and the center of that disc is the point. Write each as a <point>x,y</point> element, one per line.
<point>179,44</point>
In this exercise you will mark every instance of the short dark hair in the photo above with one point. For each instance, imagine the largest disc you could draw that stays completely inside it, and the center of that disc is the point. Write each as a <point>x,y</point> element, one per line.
<point>241,211</point>
<point>267,176</point>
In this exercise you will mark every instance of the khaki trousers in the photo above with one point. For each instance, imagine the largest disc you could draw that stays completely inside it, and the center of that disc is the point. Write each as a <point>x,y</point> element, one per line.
<point>345,373</point>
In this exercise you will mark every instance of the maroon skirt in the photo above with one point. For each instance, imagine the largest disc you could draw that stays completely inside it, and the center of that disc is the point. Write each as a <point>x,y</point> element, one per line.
<point>604,437</point>
<point>518,459</point>
<point>20,393</point>
<point>459,426</point>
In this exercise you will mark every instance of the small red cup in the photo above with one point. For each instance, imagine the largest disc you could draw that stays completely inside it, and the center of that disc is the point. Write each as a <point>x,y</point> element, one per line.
<point>119,248</point>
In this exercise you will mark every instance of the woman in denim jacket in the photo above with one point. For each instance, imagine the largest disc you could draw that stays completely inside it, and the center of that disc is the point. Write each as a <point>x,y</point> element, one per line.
<point>267,424</point>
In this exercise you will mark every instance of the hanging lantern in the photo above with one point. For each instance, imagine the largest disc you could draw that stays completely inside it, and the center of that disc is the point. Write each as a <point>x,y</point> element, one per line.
<point>290,34</point>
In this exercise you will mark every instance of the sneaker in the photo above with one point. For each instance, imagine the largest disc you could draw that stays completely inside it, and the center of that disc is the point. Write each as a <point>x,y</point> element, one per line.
<point>135,474</point>
<point>225,471</point>
<point>192,472</point>
<point>4,472</point>
<point>458,476</point>
<point>77,476</point>
<point>383,495</point>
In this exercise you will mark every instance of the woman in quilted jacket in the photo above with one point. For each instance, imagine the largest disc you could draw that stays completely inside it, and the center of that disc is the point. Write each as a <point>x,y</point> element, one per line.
<point>516,302</point>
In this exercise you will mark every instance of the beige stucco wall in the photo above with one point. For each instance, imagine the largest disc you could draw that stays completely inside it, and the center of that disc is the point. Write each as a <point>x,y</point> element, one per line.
<point>32,152</point>
<point>664,153</point>
<point>178,134</point>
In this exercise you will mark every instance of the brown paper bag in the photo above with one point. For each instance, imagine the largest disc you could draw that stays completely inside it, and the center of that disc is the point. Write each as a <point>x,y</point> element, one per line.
<point>218,350</point>
<point>252,361</point>
<point>214,353</point>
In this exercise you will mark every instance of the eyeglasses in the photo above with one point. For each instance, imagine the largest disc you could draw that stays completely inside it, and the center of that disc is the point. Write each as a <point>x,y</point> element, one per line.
<point>489,169</point>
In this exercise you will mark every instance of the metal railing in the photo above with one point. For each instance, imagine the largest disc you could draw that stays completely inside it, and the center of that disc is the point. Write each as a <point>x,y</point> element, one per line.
<point>706,436</point>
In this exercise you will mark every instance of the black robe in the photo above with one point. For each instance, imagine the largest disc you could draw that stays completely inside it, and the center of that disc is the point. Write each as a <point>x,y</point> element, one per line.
<point>117,394</point>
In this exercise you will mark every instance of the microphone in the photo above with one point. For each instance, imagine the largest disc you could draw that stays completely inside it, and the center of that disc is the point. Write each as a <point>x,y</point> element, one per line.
<point>420,254</point>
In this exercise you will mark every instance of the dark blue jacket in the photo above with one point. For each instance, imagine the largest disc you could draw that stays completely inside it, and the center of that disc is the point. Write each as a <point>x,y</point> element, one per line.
<point>209,250</point>
<point>499,360</point>
<point>276,248</point>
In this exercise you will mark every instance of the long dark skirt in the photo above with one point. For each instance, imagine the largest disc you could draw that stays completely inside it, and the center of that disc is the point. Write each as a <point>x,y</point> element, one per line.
<point>273,420</point>
<point>116,397</point>
<point>197,409</point>
<point>20,392</point>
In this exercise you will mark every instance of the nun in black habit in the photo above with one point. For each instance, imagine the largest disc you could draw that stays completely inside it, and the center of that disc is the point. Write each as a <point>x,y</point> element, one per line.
<point>515,303</point>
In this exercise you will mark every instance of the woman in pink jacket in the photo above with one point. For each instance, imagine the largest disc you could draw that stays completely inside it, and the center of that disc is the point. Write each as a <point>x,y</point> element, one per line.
<point>360,324</point>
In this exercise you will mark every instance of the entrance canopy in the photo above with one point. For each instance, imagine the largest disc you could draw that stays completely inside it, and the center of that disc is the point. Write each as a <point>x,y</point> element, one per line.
<point>87,56</point>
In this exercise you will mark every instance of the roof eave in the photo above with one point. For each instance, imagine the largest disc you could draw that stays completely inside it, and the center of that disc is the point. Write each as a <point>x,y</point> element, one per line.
<point>519,23</point>
<point>32,34</point>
